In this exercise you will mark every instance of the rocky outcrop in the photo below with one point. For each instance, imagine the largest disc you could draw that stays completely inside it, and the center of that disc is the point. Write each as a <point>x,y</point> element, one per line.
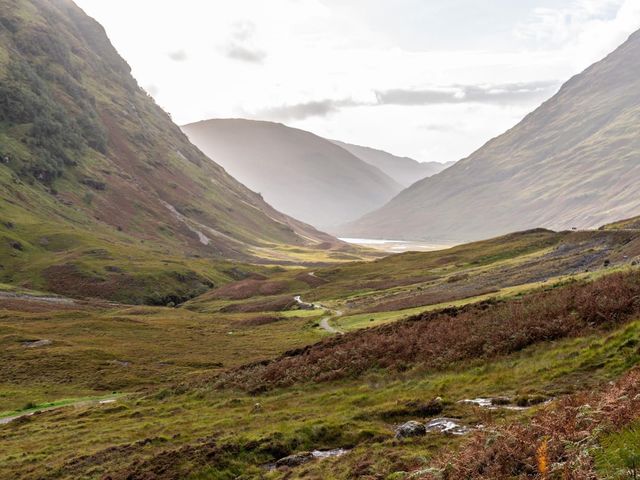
<point>410,429</point>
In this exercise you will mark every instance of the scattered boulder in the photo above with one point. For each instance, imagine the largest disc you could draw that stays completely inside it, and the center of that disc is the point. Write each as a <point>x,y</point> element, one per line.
<point>410,429</point>
<point>295,460</point>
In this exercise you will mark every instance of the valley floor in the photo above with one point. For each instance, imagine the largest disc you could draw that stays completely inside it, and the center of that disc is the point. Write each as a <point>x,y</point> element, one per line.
<point>471,342</point>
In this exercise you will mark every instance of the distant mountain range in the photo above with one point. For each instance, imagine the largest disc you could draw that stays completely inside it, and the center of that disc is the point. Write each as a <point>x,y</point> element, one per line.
<point>299,173</point>
<point>319,181</point>
<point>573,162</point>
<point>404,170</point>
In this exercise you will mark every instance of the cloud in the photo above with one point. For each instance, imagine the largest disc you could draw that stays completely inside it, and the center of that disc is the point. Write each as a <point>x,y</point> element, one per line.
<point>301,111</point>
<point>240,46</point>
<point>504,94</point>
<point>237,51</point>
<point>496,94</point>
<point>559,25</point>
<point>178,55</point>
<point>436,127</point>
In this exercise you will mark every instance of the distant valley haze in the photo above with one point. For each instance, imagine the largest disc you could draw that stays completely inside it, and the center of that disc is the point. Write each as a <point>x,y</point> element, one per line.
<point>322,182</point>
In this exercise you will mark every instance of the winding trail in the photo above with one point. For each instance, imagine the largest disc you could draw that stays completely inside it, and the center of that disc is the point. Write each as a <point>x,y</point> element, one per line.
<point>324,321</point>
<point>325,325</point>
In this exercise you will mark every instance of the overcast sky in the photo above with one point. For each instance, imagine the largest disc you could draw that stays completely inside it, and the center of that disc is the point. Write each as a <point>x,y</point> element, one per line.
<point>430,79</point>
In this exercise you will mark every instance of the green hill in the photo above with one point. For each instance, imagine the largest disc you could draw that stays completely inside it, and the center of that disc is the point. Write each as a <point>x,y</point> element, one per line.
<point>97,183</point>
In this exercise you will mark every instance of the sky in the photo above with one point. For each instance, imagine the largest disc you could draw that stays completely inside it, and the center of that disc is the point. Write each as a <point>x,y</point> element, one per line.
<point>429,79</point>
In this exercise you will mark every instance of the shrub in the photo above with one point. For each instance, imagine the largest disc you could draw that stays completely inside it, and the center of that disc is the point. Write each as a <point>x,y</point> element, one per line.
<point>558,442</point>
<point>57,136</point>
<point>437,340</point>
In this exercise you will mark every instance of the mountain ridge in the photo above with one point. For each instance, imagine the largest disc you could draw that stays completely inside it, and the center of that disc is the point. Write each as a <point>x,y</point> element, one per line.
<point>404,170</point>
<point>300,173</point>
<point>570,163</point>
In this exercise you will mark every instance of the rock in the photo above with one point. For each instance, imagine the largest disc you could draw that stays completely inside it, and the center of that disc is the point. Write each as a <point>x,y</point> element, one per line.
<point>433,472</point>
<point>410,429</point>
<point>447,426</point>
<point>295,460</point>
<point>322,454</point>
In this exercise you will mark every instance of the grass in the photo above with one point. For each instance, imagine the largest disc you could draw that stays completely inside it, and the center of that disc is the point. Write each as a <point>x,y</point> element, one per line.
<point>167,357</point>
<point>389,289</point>
<point>619,457</point>
<point>96,350</point>
<point>347,413</point>
<point>476,332</point>
<point>178,416</point>
<point>367,320</point>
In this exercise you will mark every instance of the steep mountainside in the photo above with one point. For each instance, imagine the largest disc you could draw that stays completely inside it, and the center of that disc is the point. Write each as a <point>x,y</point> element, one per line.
<point>404,170</point>
<point>299,173</point>
<point>96,180</point>
<point>574,162</point>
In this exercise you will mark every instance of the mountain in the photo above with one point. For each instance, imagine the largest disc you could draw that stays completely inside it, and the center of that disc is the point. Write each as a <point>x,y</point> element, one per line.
<point>573,162</point>
<point>404,170</point>
<point>299,173</point>
<point>96,181</point>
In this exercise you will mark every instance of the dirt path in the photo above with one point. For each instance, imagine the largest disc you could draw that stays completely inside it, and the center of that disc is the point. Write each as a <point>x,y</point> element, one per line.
<point>324,322</point>
<point>325,325</point>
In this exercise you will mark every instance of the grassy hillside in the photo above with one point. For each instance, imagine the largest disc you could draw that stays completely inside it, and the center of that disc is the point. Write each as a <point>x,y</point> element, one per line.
<point>97,183</point>
<point>573,162</point>
<point>299,173</point>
